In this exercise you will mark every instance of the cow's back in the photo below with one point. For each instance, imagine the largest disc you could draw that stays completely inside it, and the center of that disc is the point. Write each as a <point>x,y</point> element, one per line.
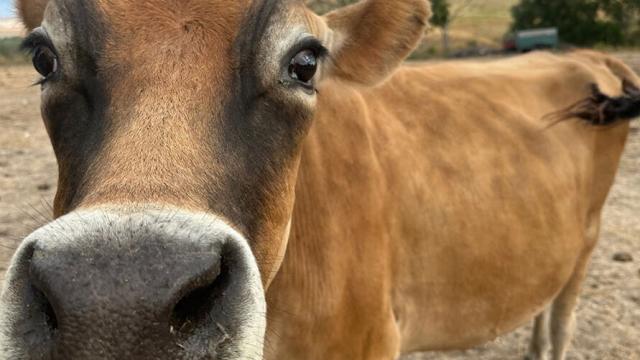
<point>448,199</point>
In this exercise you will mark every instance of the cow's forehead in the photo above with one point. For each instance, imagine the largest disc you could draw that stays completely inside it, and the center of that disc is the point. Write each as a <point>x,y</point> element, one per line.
<point>185,44</point>
<point>134,24</point>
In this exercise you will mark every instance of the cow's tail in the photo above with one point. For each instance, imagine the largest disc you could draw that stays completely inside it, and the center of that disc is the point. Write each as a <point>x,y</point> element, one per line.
<point>599,109</point>
<point>602,110</point>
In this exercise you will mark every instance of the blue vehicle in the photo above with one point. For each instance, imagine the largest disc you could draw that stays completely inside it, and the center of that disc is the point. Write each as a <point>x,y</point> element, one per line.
<point>535,39</point>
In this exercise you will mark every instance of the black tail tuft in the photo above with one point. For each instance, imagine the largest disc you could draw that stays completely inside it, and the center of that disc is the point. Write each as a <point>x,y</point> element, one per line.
<point>602,110</point>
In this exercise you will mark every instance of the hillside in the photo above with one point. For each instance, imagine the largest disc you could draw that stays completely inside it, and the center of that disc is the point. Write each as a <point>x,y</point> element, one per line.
<point>474,23</point>
<point>10,28</point>
<point>485,21</point>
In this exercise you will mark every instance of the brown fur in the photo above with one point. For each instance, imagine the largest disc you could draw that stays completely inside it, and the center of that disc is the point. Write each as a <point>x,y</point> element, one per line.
<point>447,211</point>
<point>31,12</point>
<point>433,210</point>
<point>395,26</point>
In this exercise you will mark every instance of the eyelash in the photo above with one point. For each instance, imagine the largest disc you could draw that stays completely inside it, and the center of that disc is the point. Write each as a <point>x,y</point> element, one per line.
<point>40,81</point>
<point>36,40</point>
<point>318,49</point>
<point>312,44</point>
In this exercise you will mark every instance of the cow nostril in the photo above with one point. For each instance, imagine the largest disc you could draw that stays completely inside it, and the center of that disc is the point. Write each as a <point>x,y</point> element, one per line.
<point>46,309</point>
<point>194,310</point>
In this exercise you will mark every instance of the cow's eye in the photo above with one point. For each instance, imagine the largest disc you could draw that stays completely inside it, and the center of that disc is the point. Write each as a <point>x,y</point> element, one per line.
<point>303,66</point>
<point>45,61</point>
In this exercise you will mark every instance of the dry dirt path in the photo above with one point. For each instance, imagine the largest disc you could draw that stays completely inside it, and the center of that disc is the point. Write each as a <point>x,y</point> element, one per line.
<point>609,312</point>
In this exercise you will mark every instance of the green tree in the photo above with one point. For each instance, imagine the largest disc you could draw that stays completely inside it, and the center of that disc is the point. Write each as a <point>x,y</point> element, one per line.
<point>440,9</point>
<point>626,14</point>
<point>441,18</point>
<point>580,22</point>
<point>444,14</point>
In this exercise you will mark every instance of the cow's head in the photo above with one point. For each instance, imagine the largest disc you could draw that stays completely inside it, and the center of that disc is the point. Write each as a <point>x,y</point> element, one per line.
<point>177,126</point>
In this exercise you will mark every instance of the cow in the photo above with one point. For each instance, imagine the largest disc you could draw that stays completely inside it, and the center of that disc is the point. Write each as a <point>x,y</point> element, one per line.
<point>245,179</point>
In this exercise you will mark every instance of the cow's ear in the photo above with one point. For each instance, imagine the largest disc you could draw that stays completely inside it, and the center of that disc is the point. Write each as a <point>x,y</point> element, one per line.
<point>31,12</point>
<point>371,38</point>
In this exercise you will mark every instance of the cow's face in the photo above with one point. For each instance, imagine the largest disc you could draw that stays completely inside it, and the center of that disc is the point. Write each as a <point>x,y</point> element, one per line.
<point>177,127</point>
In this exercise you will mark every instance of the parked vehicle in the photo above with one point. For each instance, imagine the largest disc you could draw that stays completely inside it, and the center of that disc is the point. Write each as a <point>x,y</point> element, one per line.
<point>534,39</point>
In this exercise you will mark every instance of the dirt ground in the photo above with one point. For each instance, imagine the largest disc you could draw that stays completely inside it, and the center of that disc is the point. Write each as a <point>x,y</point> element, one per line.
<point>609,312</point>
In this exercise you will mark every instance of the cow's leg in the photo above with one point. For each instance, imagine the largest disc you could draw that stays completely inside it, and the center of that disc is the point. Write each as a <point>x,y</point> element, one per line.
<point>562,316</point>
<point>563,319</point>
<point>540,343</point>
<point>387,346</point>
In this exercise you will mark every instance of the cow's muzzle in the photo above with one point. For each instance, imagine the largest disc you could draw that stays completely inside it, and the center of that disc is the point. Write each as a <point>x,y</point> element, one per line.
<point>110,284</point>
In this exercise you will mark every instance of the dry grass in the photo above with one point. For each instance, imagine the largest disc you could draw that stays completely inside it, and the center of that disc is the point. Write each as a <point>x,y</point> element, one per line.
<point>480,23</point>
<point>489,19</point>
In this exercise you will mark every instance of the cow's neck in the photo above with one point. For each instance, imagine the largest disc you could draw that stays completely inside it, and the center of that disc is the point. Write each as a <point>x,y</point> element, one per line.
<point>338,225</point>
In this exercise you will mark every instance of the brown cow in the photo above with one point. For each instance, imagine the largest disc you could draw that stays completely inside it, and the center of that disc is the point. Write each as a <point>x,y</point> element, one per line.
<point>222,157</point>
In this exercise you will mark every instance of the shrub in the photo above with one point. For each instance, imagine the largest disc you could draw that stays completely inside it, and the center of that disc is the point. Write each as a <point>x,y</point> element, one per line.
<point>10,52</point>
